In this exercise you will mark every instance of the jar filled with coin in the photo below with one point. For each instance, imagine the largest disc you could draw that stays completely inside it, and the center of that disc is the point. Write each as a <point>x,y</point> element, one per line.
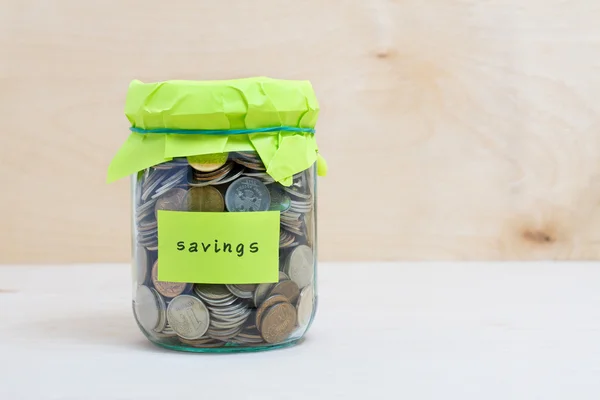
<point>224,211</point>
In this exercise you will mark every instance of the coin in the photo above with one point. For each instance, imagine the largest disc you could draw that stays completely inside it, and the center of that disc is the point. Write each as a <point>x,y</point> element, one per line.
<point>215,175</point>
<point>247,194</point>
<point>147,308</point>
<point>300,266</point>
<point>268,303</point>
<point>170,183</point>
<point>261,292</point>
<point>289,289</point>
<point>233,175</point>
<point>210,315</point>
<point>157,178</point>
<point>162,312</point>
<point>205,198</point>
<point>212,292</point>
<point>242,291</point>
<point>188,316</point>
<point>229,322</point>
<point>280,201</point>
<point>141,262</point>
<point>246,287</point>
<point>278,322</point>
<point>167,289</point>
<point>208,162</point>
<point>305,306</point>
<point>171,200</point>
<point>257,166</point>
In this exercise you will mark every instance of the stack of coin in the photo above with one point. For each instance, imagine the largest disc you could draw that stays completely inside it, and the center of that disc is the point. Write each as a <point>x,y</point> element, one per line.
<point>287,239</point>
<point>156,183</point>
<point>206,316</point>
<point>249,160</point>
<point>227,173</point>
<point>228,313</point>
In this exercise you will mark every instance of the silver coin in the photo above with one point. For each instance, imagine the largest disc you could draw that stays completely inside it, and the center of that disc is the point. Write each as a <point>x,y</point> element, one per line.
<point>170,184</point>
<point>148,225</point>
<point>188,316</point>
<point>162,309</point>
<point>147,308</point>
<point>141,262</point>
<point>235,317</point>
<point>300,266</point>
<point>297,193</point>
<point>229,301</point>
<point>229,311</point>
<point>145,217</point>
<point>261,293</point>
<point>159,177</point>
<point>247,194</point>
<point>212,292</point>
<point>290,216</point>
<point>239,292</point>
<point>305,306</point>
<point>229,323</point>
<point>218,325</point>
<point>140,211</point>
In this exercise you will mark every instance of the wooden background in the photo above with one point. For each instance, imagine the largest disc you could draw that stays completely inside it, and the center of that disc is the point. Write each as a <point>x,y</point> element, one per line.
<point>453,129</point>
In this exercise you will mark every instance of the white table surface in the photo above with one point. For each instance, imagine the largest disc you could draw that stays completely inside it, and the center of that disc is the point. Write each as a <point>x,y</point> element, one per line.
<point>383,331</point>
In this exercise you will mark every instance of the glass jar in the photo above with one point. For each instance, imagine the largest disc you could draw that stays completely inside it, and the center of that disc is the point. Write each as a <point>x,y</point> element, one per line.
<point>224,243</point>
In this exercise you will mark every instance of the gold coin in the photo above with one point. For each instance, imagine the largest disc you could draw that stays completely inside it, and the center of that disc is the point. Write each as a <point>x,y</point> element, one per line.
<point>208,162</point>
<point>167,289</point>
<point>278,323</point>
<point>268,303</point>
<point>205,198</point>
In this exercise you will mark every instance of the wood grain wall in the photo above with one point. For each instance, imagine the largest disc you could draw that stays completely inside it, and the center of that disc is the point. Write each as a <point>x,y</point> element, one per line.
<point>465,129</point>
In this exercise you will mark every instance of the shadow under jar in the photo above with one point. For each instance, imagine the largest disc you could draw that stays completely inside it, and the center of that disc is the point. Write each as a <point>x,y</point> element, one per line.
<point>224,243</point>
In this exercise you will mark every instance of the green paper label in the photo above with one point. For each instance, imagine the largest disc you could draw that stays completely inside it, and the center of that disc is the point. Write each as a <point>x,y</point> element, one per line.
<point>218,247</point>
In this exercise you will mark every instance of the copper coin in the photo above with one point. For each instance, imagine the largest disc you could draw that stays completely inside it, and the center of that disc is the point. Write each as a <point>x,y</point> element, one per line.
<point>171,200</point>
<point>278,323</point>
<point>205,198</point>
<point>265,305</point>
<point>289,289</point>
<point>167,289</point>
<point>208,162</point>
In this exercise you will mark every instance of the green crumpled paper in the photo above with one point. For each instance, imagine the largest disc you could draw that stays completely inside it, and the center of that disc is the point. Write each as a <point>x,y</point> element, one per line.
<point>220,105</point>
